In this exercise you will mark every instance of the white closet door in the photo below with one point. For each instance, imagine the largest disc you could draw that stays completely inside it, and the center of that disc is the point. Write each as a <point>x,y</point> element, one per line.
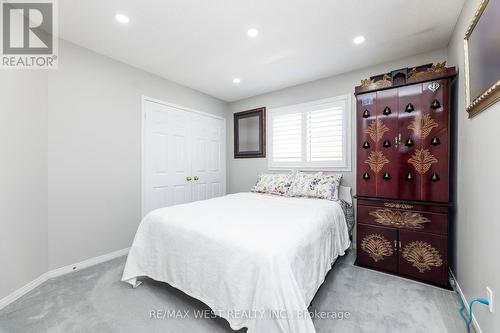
<point>166,154</point>
<point>208,157</point>
<point>183,156</point>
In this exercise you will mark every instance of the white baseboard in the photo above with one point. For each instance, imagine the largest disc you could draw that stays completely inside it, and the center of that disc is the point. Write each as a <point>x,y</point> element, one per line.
<point>59,272</point>
<point>23,290</point>
<point>86,263</point>
<point>475,324</point>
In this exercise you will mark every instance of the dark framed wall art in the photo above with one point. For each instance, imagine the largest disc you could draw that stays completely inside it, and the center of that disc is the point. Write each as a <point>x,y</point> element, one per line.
<point>250,133</point>
<point>482,58</point>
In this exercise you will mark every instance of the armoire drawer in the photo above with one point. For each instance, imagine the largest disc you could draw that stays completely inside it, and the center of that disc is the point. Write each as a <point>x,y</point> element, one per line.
<point>409,219</point>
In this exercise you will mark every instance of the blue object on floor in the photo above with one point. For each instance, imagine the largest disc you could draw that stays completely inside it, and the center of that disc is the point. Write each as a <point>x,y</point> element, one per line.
<point>474,300</point>
<point>468,321</point>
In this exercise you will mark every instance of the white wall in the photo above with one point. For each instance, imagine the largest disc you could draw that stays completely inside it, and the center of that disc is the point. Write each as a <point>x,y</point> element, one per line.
<point>477,226</point>
<point>242,173</point>
<point>70,143</point>
<point>23,177</point>
<point>94,150</point>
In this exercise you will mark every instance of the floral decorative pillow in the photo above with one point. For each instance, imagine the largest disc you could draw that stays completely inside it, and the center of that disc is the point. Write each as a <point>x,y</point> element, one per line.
<point>316,185</point>
<point>303,184</point>
<point>278,183</point>
<point>328,186</point>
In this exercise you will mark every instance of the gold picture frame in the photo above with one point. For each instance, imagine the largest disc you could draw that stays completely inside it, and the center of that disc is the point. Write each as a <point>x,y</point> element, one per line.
<point>491,95</point>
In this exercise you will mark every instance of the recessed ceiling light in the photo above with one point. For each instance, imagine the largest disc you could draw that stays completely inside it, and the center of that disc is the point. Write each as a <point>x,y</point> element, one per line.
<point>358,40</point>
<point>252,32</point>
<point>236,80</point>
<point>122,18</point>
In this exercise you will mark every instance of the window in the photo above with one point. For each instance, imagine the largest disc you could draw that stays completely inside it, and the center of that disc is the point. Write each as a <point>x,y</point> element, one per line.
<point>310,136</point>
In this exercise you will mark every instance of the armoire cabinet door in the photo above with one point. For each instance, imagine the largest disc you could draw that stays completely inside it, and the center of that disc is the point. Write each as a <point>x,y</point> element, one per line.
<point>410,113</point>
<point>386,161</point>
<point>377,247</point>
<point>435,141</point>
<point>366,114</point>
<point>423,256</point>
<point>403,142</point>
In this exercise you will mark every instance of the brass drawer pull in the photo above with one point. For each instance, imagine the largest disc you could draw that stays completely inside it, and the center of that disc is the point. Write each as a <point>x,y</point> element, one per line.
<point>398,205</point>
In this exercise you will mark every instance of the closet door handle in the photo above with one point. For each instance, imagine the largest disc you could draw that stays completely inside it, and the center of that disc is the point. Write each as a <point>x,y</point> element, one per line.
<point>395,245</point>
<point>188,178</point>
<point>196,178</point>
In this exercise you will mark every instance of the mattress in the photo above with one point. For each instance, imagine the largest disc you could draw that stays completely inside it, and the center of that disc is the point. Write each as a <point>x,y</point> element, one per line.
<point>256,260</point>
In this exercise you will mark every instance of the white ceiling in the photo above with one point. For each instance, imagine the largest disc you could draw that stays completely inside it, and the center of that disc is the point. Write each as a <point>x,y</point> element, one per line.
<point>203,44</point>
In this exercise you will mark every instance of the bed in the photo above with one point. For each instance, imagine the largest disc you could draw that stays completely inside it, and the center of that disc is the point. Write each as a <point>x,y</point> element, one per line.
<point>256,260</point>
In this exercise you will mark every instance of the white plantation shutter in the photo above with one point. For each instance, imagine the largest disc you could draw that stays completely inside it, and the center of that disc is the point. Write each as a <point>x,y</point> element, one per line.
<point>310,136</point>
<point>325,134</point>
<point>287,138</point>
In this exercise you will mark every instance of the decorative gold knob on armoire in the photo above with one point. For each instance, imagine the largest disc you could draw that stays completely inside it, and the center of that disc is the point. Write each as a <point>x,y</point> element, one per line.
<point>387,111</point>
<point>387,176</point>
<point>435,178</point>
<point>409,108</point>
<point>435,104</point>
<point>366,114</point>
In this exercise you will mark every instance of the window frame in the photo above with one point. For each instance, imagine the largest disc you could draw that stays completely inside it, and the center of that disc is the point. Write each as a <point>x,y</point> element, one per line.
<point>345,165</point>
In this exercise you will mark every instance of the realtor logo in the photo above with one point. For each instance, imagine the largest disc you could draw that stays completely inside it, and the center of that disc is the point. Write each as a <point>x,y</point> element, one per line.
<point>29,34</point>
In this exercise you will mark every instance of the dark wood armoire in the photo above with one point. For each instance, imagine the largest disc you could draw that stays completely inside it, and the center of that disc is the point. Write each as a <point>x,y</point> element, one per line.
<point>404,172</point>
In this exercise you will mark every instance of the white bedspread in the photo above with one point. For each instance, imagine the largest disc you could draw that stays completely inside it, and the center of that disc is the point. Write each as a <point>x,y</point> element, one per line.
<point>257,260</point>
